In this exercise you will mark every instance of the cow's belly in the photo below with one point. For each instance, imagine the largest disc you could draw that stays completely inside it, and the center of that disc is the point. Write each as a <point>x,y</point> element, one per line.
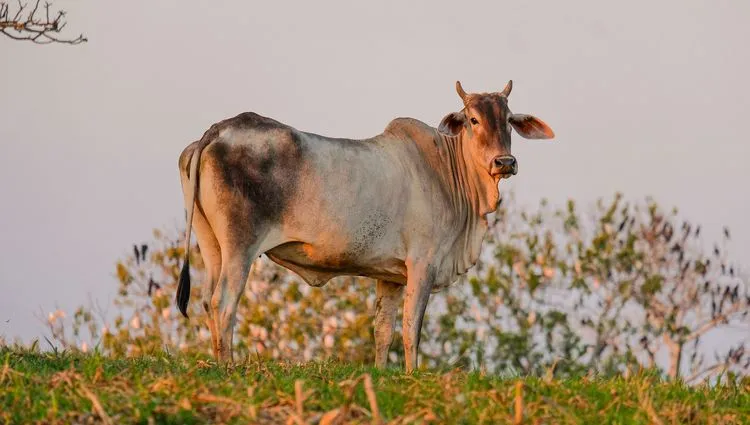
<point>317,264</point>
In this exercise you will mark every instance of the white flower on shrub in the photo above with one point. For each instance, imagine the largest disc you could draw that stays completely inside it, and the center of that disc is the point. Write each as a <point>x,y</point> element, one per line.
<point>258,332</point>
<point>329,325</point>
<point>447,347</point>
<point>276,297</point>
<point>349,316</point>
<point>476,313</point>
<point>330,304</point>
<point>135,322</point>
<point>549,272</point>
<point>481,332</point>
<point>53,316</point>
<point>532,317</point>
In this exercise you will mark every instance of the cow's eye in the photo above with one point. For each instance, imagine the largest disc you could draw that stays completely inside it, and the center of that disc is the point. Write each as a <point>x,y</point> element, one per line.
<point>474,120</point>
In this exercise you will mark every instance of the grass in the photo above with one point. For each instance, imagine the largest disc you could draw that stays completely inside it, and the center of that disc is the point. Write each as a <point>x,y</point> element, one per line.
<point>67,388</point>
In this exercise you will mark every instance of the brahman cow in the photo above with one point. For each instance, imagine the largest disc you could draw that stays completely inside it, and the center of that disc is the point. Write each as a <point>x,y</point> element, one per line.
<point>406,207</point>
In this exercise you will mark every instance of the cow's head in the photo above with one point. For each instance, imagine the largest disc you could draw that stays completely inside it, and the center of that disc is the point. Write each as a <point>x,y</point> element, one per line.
<point>485,123</point>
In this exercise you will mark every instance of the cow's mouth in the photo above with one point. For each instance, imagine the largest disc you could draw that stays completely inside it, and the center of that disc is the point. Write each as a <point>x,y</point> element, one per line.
<point>503,174</point>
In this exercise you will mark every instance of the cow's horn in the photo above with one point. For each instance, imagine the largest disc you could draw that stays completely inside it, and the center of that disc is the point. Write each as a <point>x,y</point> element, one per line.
<point>461,91</point>
<point>507,89</point>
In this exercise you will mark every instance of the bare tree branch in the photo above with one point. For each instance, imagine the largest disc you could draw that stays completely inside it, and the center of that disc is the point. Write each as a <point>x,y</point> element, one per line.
<point>717,367</point>
<point>720,319</point>
<point>39,30</point>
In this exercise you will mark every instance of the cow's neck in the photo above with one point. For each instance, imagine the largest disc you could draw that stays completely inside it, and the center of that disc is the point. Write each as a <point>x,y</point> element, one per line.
<point>475,187</point>
<point>472,198</point>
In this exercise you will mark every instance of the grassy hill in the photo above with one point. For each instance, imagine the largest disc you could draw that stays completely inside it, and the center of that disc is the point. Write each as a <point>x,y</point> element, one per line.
<point>64,388</point>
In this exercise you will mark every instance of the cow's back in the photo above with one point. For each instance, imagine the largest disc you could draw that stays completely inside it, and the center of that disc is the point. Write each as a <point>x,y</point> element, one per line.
<point>328,203</point>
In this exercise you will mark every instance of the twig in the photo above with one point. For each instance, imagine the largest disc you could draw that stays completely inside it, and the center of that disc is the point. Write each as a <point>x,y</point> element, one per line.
<point>32,28</point>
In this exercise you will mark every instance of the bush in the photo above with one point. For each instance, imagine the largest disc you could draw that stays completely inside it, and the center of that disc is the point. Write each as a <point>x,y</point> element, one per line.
<point>555,291</point>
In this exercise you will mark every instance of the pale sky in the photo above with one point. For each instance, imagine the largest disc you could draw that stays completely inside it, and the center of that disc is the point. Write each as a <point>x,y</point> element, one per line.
<point>648,98</point>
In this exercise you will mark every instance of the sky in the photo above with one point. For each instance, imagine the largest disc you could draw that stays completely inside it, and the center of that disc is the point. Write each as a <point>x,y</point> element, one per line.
<point>647,98</point>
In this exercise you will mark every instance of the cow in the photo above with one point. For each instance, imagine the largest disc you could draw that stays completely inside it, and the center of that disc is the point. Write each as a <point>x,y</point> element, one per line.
<point>406,207</point>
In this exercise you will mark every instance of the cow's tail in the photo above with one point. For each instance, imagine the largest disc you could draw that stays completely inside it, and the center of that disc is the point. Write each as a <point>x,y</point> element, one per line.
<point>183,286</point>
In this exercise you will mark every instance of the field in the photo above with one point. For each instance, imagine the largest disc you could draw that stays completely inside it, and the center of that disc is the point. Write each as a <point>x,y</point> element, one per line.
<point>63,388</point>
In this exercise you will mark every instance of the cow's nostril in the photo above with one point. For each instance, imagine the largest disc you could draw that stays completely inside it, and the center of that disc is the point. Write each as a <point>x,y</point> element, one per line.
<point>505,161</point>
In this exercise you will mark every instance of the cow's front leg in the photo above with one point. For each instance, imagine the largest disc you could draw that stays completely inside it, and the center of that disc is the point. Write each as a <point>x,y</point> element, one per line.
<point>387,296</point>
<point>420,279</point>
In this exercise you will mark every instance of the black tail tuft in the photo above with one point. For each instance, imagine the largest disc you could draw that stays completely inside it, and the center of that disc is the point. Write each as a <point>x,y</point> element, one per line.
<point>183,288</point>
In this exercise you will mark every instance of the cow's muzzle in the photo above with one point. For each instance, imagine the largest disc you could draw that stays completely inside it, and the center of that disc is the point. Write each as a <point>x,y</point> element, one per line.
<point>504,166</point>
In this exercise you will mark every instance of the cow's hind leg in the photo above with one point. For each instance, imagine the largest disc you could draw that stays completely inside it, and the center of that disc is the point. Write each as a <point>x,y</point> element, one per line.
<point>211,254</point>
<point>387,297</point>
<point>236,261</point>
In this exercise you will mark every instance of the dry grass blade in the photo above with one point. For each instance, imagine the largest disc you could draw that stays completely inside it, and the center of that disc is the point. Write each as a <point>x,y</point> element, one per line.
<point>339,415</point>
<point>210,398</point>
<point>8,371</point>
<point>372,399</point>
<point>569,416</point>
<point>426,415</point>
<point>252,410</point>
<point>549,374</point>
<point>647,405</point>
<point>233,408</point>
<point>329,417</point>
<point>97,405</point>
<point>518,418</point>
<point>299,400</point>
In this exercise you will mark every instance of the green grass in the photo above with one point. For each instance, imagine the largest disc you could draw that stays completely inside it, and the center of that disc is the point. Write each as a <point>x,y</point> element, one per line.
<point>73,388</point>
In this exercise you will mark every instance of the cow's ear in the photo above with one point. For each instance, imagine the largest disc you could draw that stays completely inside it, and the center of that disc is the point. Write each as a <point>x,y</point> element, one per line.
<point>452,123</point>
<point>530,127</point>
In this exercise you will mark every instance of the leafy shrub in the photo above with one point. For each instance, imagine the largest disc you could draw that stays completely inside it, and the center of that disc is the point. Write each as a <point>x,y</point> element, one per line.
<point>555,291</point>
